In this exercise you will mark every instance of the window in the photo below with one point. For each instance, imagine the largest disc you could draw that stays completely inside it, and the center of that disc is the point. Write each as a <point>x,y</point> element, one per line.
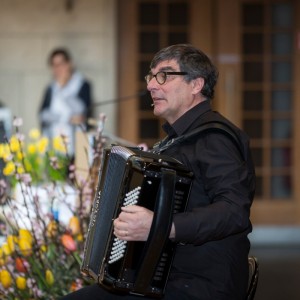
<point>267,49</point>
<point>160,23</point>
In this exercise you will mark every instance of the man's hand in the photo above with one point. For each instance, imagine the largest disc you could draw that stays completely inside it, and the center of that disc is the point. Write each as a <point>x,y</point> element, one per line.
<point>133,224</point>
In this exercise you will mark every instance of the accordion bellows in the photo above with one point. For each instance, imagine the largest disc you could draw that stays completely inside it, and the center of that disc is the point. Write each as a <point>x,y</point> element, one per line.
<point>131,176</point>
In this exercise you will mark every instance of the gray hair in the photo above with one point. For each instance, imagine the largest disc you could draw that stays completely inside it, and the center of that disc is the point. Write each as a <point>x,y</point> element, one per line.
<point>193,61</point>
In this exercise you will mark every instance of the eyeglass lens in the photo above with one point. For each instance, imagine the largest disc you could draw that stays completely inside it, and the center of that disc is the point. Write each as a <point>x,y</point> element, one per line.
<point>160,77</point>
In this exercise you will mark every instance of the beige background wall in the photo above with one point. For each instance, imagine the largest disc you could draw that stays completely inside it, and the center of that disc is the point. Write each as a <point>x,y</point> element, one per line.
<point>30,29</point>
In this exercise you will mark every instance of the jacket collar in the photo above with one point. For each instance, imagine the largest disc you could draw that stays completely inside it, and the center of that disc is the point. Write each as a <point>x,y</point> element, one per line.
<point>181,125</point>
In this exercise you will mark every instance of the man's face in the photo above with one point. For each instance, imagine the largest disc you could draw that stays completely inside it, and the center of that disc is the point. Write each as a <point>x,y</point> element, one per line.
<point>173,98</point>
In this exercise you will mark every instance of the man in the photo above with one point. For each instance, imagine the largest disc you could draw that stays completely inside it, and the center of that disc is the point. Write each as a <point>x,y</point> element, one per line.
<point>67,99</point>
<point>211,260</point>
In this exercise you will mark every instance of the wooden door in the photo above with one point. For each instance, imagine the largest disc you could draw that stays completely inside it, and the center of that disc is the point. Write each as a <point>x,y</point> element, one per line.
<point>146,26</point>
<point>259,57</point>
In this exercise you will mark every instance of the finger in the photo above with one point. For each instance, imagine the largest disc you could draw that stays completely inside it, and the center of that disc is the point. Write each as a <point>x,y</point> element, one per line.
<point>117,222</point>
<point>132,208</point>
<point>124,217</point>
<point>122,234</point>
<point>119,225</point>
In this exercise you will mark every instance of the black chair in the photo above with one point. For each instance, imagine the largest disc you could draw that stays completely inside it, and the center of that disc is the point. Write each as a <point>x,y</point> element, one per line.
<point>253,277</point>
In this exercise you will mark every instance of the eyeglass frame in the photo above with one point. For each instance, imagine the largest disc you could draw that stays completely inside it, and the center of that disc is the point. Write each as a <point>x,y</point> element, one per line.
<point>166,74</point>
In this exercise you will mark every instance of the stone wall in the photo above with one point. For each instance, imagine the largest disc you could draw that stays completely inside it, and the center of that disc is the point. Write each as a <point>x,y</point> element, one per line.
<point>30,29</point>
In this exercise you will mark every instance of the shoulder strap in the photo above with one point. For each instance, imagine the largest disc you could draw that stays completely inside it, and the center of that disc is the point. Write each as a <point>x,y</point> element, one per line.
<point>203,128</point>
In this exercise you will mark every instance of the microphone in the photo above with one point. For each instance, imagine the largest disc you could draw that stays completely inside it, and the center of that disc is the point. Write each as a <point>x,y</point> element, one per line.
<point>111,101</point>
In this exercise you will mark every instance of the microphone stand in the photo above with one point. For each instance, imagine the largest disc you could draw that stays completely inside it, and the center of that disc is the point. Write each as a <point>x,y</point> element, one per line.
<point>116,100</point>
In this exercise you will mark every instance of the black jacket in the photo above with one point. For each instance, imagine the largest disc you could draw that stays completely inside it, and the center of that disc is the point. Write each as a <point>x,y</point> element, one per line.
<point>211,260</point>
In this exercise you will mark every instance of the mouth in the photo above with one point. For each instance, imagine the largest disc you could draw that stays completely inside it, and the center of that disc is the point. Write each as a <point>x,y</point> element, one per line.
<point>157,99</point>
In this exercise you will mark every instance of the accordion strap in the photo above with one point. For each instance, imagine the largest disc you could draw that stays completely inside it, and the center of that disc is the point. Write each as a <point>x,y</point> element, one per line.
<point>159,232</point>
<point>212,126</point>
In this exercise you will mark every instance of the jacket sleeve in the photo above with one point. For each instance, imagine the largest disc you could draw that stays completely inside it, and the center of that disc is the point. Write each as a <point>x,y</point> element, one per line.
<point>228,182</point>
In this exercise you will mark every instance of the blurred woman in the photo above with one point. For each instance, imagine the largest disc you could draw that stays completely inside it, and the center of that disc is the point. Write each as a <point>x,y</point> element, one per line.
<point>66,100</point>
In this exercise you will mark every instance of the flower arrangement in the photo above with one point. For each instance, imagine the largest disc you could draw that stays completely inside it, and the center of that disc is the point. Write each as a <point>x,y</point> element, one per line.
<point>40,256</point>
<point>40,158</point>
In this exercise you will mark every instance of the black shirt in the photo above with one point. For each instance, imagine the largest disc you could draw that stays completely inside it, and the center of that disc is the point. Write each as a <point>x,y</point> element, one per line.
<point>211,260</point>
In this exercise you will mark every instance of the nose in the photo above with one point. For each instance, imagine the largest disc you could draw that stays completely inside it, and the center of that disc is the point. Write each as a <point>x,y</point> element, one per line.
<point>152,85</point>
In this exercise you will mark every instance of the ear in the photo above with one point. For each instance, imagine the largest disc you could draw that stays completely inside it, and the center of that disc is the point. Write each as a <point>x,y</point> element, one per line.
<point>197,85</point>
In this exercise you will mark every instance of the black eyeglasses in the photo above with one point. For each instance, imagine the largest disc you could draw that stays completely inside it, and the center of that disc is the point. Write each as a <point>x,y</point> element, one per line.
<point>161,77</point>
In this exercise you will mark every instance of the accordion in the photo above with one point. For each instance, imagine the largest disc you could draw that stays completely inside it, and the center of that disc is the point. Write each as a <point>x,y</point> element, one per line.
<point>131,176</point>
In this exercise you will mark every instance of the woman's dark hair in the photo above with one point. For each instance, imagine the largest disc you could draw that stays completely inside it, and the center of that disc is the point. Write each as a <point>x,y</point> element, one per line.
<point>59,51</point>
<point>194,62</point>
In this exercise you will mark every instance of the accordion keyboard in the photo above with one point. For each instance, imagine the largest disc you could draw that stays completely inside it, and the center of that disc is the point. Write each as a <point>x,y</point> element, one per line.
<point>119,246</point>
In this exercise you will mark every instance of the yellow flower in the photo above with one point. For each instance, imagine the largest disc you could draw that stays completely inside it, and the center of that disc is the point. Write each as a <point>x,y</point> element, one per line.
<point>43,248</point>
<point>52,228</point>
<point>74,225</point>
<point>49,277</point>
<point>14,144</point>
<point>6,249</point>
<point>2,150</point>
<point>11,240</point>
<point>31,148</point>
<point>79,237</point>
<point>20,170</point>
<point>21,283</point>
<point>58,144</point>
<point>6,154</point>
<point>26,234</point>
<point>2,260</point>
<point>19,155</point>
<point>25,241</point>
<point>9,169</point>
<point>5,279</point>
<point>25,246</point>
<point>42,145</point>
<point>34,134</point>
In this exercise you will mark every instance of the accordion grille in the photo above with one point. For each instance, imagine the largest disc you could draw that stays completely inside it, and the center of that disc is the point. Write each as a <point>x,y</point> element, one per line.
<point>105,213</point>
